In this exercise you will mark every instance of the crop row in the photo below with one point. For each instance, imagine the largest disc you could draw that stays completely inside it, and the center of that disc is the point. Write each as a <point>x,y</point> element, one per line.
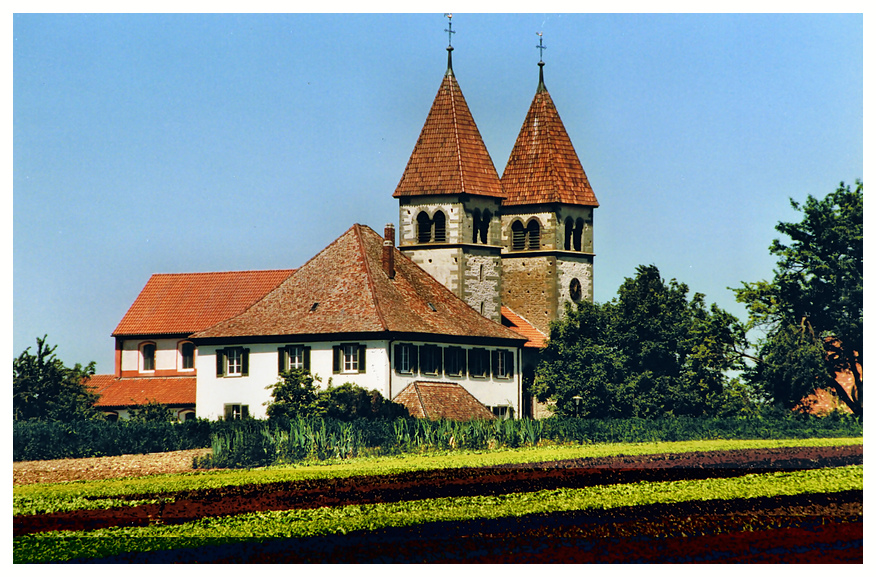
<point>261,526</point>
<point>46,498</point>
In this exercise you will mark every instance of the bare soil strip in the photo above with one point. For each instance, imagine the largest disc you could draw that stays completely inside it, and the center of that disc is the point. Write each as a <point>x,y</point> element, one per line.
<point>191,505</point>
<point>820,528</point>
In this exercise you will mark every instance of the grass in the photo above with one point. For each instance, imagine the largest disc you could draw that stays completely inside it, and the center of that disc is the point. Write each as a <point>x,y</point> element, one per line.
<point>62,546</point>
<point>69,496</point>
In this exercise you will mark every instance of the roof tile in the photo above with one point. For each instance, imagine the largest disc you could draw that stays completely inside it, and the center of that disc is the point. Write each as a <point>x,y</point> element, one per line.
<point>437,400</point>
<point>344,289</point>
<point>189,302</point>
<point>123,392</point>
<point>518,324</point>
<point>450,156</point>
<point>543,166</point>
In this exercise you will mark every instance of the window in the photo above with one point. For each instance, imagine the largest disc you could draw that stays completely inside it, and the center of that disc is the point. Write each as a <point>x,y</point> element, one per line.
<point>479,363</point>
<point>348,358</point>
<point>232,362</point>
<point>533,235</point>
<point>579,228</point>
<point>430,360</point>
<point>454,361</point>
<point>293,357</point>
<point>424,228</point>
<point>518,236</point>
<point>233,412</point>
<point>405,358</point>
<point>187,356</point>
<point>503,412</point>
<point>575,290</point>
<point>147,352</point>
<point>440,223</point>
<point>484,227</point>
<point>567,244</point>
<point>503,364</point>
<point>476,225</point>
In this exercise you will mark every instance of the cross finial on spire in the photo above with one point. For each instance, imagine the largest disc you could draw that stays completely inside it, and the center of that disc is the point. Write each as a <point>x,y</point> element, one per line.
<point>541,48</point>
<point>449,29</point>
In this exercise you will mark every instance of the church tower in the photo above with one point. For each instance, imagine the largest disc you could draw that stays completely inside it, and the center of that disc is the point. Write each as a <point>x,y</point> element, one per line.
<point>450,200</point>
<point>547,218</point>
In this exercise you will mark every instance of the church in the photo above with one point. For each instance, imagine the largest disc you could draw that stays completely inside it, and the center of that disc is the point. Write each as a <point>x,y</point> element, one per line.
<point>447,318</point>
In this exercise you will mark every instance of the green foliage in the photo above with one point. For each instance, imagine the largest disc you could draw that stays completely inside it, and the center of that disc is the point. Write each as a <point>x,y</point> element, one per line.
<point>294,394</point>
<point>301,523</point>
<point>153,411</point>
<point>649,353</point>
<point>43,389</point>
<point>812,311</point>
<point>41,440</point>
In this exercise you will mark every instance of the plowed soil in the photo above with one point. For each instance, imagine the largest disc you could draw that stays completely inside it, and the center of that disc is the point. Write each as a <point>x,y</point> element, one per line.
<point>186,506</point>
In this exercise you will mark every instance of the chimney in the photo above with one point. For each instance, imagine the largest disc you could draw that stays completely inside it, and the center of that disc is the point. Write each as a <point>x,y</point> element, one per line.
<point>389,250</point>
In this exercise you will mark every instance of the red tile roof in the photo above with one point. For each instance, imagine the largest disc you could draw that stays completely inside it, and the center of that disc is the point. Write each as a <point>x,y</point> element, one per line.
<point>518,324</point>
<point>344,289</point>
<point>118,393</point>
<point>186,303</point>
<point>450,156</point>
<point>543,166</point>
<point>427,400</point>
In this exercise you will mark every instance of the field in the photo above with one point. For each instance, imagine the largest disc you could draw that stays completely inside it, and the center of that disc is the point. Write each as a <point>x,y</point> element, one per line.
<point>706,501</point>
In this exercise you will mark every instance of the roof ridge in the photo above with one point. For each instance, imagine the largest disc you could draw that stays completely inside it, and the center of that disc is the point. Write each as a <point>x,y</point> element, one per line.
<point>420,398</point>
<point>368,272</point>
<point>456,137</point>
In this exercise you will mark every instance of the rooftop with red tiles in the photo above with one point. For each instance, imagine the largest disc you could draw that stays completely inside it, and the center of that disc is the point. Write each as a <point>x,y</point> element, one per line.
<point>344,289</point>
<point>543,166</point>
<point>436,400</point>
<point>520,325</point>
<point>123,392</point>
<point>450,156</point>
<point>189,302</point>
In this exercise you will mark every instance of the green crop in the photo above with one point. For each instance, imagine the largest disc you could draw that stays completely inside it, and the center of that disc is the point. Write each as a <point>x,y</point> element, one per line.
<point>46,498</point>
<point>64,545</point>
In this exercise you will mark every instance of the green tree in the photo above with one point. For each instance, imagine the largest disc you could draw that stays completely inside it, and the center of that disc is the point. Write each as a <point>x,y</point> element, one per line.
<point>43,389</point>
<point>294,394</point>
<point>348,402</point>
<point>650,352</point>
<point>812,312</point>
<point>153,411</point>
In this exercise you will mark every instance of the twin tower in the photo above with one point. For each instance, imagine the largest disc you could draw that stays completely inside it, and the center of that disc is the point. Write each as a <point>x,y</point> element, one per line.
<point>522,241</point>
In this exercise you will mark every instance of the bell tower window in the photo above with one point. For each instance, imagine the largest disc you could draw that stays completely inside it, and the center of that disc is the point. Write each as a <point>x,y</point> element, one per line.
<point>533,234</point>
<point>439,222</point>
<point>424,228</point>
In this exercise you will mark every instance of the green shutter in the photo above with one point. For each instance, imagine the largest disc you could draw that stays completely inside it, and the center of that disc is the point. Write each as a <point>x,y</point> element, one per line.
<point>220,362</point>
<point>415,359</point>
<point>509,356</point>
<point>362,358</point>
<point>396,359</point>
<point>336,359</point>
<point>229,412</point>
<point>307,359</point>
<point>439,360</point>
<point>244,411</point>
<point>282,362</point>
<point>494,362</point>
<point>244,362</point>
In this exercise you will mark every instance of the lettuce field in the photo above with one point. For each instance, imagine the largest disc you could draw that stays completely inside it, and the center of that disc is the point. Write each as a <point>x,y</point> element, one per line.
<point>669,502</point>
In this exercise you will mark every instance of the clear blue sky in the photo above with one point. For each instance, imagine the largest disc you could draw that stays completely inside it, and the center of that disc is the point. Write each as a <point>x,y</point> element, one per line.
<point>187,143</point>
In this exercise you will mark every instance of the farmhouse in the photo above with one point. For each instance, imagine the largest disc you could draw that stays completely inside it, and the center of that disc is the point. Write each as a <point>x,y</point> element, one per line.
<point>447,322</point>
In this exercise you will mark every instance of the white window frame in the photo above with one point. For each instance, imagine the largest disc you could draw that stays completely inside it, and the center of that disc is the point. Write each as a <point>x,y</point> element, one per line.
<point>350,358</point>
<point>143,347</point>
<point>294,357</point>
<point>233,362</point>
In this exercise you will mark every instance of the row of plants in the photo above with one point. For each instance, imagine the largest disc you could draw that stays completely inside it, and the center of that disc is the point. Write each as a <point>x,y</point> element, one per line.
<point>261,526</point>
<point>262,443</point>
<point>251,442</point>
<point>39,498</point>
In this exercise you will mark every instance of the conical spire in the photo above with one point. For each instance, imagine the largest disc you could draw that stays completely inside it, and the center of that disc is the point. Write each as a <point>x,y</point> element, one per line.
<point>450,156</point>
<point>544,167</point>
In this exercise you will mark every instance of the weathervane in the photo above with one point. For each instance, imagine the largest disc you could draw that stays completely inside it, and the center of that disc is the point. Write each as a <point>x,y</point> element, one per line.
<point>541,48</point>
<point>449,29</point>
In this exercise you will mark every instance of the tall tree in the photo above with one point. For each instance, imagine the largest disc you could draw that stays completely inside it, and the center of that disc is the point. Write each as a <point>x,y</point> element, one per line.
<point>43,389</point>
<point>650,352</point>
<point>812,312</point>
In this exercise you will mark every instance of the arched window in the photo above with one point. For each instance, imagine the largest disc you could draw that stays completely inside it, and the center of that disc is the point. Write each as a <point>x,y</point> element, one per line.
<point>424,228</point>
<point>484,227</point>
<point>579,227</point>
<point>518,236</point>
<point>439,221</point>
<point>567,244</point>
<point>533,235</point>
